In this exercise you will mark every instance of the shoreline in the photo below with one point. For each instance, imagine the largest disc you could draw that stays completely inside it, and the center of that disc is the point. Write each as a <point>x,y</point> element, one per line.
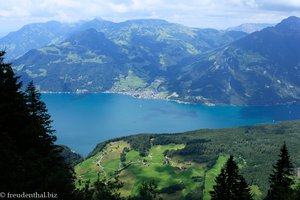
<point>133,96</point>
<point>137,96</point>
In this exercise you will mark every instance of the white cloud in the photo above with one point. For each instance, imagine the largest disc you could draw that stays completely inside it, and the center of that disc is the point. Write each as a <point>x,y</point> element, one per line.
<point>204,13</point>
<point>285,3</point>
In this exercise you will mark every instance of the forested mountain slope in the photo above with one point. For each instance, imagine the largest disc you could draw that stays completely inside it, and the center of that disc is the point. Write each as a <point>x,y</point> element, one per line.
<point>158,59</point>
<point>185,165</point>
<point>132,56</point>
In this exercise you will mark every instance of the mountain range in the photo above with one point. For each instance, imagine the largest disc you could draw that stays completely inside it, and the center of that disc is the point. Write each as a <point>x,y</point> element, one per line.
<point>259,69</point>
<point>33,36</point>
<point>250,27</point>
<point>158,59</point>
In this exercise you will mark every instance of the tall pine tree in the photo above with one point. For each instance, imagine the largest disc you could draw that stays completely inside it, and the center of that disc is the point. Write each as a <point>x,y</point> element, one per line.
<point>39,115</point>
<point>281,178</point>
<point>230,185</point>
<point>56,176</point>
<point>15,134</point>
<point>29,159</point>
<point>220,192</point>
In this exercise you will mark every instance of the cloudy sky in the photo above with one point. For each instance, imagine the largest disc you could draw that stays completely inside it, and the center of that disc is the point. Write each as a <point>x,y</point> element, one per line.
<point>218,14</point>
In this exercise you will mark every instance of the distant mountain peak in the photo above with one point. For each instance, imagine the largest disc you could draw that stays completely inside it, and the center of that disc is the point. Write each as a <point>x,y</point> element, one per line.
<point>290,23</point>
<point>89,34</point>
<point>147,21</point>
<point>99,19</point>
<point>291,19</point>
<point>53,22</point>
<point>250,27</point>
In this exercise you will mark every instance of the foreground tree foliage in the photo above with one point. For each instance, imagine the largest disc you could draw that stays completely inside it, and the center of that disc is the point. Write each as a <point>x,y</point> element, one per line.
<point>297,195</point>
<point>147,191</point>
<point>281,179</point>
<point>14,130</point>
<point>230,185</point>
<point>55,175</point>
<point>101,189</point>
<point>30,161</point>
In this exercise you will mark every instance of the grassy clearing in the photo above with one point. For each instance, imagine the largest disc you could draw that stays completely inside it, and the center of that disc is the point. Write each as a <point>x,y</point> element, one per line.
<point>254,147</point>
<point>156,166</point>
<point>211,175</point>
<point>104,163</point>
<point>163,170</point>
<point>50,50</point>
<point>130,82</point>
<point>39,73</point>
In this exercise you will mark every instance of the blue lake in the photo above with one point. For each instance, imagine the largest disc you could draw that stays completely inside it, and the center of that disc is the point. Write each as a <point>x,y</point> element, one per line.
<point>82,121</point>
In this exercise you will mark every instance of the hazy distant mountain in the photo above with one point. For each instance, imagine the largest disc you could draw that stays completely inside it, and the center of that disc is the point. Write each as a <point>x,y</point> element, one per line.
<point>250,27</point>
<point>33,36</point>
<point>262,68</point>
<point>37,35</point>
<point>131,56</point>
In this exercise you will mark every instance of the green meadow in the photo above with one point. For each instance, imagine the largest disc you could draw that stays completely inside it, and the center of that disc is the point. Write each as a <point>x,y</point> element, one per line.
<point>184,166</point>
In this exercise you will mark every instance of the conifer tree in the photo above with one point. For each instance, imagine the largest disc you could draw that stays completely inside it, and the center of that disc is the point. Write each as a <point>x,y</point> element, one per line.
<point>148,191</point>
<point>244,190</point>
<point>40,118</point>
<point>107,190</point>
<point>30,161</point>
<point>219,189</point>
<point>14,131</point>
<point>281,178</point>
<point>56,175</point>
<point>230,185</point>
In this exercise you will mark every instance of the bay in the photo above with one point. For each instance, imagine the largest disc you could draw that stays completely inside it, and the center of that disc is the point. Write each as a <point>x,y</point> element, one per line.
<point>83,120</point>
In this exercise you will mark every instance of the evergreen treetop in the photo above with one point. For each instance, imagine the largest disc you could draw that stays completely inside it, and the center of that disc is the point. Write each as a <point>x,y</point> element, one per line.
<point>230,185</point>
<point>30,161</point>
<point>281,178</point>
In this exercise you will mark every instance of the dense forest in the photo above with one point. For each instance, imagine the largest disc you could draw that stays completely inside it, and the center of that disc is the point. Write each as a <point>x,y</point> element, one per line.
<point>31,162</point>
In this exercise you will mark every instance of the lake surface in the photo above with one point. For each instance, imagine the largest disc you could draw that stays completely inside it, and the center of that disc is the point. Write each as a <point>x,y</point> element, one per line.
<point>84,120</point>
